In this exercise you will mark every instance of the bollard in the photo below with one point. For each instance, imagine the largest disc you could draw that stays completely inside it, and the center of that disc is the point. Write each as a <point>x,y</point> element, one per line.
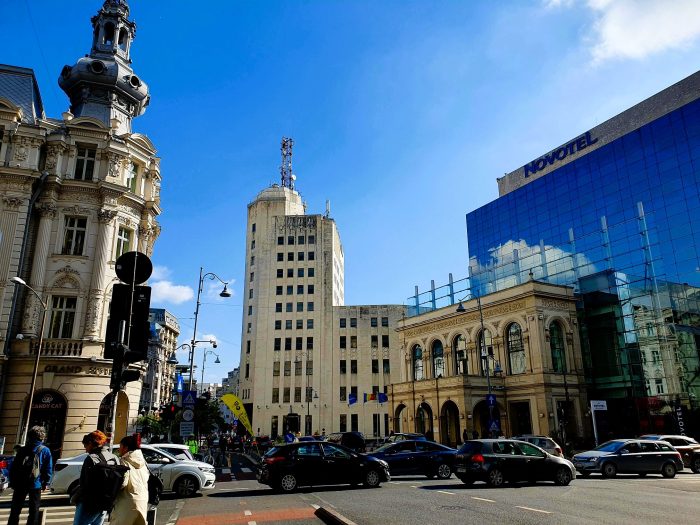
<point>151,515</point>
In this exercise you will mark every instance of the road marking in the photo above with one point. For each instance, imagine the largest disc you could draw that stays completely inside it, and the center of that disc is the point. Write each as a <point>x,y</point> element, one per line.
<point>247,513</point>
<point>414,486</point>
<point>176,513</point>
<point>533,510</point>
<point>252,523</point>
<point>316,506</point>
<point>484,499</point>
<point>445,492</point>
<point>234,490</point>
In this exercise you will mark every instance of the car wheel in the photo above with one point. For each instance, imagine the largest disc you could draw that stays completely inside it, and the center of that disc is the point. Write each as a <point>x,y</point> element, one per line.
<point>495,478</point>
<point>444,471</point>
<point>695,464</point>
<point>186,486</point>
<point>563,476</point>
<point>609,470</point>
<point>668,470</point>
<point>288,482</point>
<point>73,489</point>
<point>372,479</point>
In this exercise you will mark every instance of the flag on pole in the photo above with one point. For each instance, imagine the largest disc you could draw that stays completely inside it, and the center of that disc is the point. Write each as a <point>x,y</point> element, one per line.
<point>352,399</point>
<point>238,410</point>
<point>382,397</point>
<point>370,397</point>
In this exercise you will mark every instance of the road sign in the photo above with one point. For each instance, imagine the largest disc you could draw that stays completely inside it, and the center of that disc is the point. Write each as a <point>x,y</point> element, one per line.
<point>189,397</point>
<point>495,427</point>
<point>599,405</point>
<point>133,267</point>
<point>491,400</point>
<point>187,429</point>
<point>188,414</point>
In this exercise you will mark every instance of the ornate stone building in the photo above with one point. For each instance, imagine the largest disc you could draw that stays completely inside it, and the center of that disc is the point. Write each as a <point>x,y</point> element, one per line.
<point>157,388</point>
<point>75,193</point>
<point>531,350</point>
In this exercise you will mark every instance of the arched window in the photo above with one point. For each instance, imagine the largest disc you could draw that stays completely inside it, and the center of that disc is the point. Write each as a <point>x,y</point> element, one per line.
<point>485,346</point>
<point>108,39</point>
<point>459,346</point>
<point>123,38</point>
<point>417,363</point>
<point>556,345</point>
<point>438,360</point>
<point>516,349</point>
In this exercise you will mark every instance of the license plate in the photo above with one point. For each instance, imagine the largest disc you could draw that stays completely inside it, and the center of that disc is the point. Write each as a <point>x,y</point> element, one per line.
<point>461,469</point>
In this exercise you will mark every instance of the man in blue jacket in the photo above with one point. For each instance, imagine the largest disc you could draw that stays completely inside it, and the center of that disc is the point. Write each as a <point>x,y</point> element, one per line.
<point>30,474</point>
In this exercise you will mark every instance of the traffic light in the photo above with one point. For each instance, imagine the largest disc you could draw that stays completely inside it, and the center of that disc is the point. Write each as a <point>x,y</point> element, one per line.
<point>128,314</point>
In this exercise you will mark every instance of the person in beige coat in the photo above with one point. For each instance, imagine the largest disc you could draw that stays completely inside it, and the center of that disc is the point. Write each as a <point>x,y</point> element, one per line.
<point>131,505</point>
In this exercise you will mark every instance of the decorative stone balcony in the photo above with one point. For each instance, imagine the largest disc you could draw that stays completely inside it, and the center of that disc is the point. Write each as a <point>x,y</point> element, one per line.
<point>59,347</point>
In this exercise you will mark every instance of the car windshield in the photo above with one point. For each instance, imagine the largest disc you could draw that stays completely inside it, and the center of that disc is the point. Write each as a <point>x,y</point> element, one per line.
<point>273,451</point>
<point>610,446</point>
<point>470,447</point>
<point>384,447</point>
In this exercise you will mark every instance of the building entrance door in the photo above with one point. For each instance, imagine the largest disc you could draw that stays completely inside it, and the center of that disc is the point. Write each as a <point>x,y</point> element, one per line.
<point>49,409</point>
<point>520,418</point>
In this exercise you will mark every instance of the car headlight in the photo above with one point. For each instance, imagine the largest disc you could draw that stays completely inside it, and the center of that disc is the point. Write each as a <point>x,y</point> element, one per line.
<point>208,470</point>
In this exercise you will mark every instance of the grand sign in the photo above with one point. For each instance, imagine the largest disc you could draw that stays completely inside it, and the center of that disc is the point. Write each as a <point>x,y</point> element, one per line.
<point>560,154</point>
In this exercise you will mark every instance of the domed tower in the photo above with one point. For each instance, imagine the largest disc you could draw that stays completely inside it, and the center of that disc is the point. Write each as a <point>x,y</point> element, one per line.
<point>102,84</point>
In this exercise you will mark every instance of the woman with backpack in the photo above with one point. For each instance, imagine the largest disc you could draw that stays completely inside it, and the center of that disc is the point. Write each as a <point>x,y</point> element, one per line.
<point>131,505</point>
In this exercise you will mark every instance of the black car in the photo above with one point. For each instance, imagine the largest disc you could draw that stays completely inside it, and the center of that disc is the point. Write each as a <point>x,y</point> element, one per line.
<point>417,457</point>
<point>687,446</point>
<point>630,456</point>
<point>287,467</point>
<point>403,436</point>
<point>496,461</point>
<point>352,440</point>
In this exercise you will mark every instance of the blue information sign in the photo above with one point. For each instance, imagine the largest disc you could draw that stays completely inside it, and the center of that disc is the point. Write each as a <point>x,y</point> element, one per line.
<point>189,397</point>
<point>491,400</point>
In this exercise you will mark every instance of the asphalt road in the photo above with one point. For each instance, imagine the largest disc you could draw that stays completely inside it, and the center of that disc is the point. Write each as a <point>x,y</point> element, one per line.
<point>416,500</point>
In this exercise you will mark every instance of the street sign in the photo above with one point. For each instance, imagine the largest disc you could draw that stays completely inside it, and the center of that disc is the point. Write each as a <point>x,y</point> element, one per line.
<point>187,429</point>
<point>188,414</point>
<point>189,397</point>
<point>599,405</point>
<point>495,427</point>
<point>491,400</point>
<point>133,267</point>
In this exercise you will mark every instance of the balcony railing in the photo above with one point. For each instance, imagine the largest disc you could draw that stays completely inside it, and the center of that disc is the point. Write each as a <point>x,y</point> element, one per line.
<point>59,347</point>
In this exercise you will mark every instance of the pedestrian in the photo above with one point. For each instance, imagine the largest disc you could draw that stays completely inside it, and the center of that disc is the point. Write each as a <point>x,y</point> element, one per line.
<point>131,505</point>
<point>465,435</point>
<point>86,513</point>
<point>192,444</point>
<point>30,474</point>
<point>289,437</point>
<point>223,445</point>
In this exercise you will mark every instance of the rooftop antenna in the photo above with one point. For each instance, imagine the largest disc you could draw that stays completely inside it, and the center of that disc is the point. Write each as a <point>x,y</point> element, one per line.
<point>328,209</point>
<point>286,168</point>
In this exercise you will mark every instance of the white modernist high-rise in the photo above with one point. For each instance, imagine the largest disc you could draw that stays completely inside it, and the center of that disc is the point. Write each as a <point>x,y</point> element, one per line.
<point>303,353</point>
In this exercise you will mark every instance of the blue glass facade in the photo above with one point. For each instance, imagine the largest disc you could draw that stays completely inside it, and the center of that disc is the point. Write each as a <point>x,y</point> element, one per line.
<point>621,224</point>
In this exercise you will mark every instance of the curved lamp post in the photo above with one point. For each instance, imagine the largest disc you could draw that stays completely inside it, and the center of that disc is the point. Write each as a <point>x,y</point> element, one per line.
<point>204,362</point>
<point>45,308</point>
<point>224,293</point>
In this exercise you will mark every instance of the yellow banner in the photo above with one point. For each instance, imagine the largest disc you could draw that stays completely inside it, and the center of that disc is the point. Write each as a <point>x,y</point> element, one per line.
<point>236,407</point>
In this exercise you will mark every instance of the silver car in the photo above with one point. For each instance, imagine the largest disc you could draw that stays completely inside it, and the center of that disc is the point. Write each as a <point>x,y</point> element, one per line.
<point>543,442</point>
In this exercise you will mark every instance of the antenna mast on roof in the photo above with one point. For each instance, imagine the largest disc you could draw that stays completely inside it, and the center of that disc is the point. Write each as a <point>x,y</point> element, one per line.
<point>288,177</point>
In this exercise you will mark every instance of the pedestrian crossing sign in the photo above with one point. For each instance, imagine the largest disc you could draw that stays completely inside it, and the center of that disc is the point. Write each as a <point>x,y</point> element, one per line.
<point>188,398</point>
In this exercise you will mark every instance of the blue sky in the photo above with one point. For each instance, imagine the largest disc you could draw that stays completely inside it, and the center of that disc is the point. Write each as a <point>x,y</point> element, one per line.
<point>403,114</point>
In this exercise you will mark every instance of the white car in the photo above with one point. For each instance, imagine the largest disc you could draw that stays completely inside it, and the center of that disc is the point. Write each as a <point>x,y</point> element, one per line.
<point>179,451</point>
<point>184,477</point>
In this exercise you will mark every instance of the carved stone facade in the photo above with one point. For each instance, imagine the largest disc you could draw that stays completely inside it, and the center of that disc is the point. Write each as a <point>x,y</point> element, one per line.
<point>65,248</point>
<point>530,348</point>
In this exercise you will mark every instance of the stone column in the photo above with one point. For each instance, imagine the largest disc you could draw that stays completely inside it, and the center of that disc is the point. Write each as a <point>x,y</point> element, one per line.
<point>99,270</point>
<point>32,310</point>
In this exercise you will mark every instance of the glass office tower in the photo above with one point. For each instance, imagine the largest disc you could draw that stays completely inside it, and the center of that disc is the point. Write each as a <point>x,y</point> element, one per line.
<point>615,213</point>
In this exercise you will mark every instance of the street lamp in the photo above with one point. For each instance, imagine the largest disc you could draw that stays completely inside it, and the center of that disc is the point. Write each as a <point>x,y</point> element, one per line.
<point>45,307</point>
<point>307,423</point>
<point>204,362</point>
<point>484,355</point>
<point>224,293</point>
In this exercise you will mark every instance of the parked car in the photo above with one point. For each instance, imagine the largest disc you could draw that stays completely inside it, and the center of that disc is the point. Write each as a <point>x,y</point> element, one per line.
<point>176,450</point>
<point>374,443</point>
<point>687,446</point>
<point>417,457</point>
<point>184,477</point>
<point>353,440</point>
<point>496,461</point>
<point>287,467</point>
<point>630,456</point>
<point>544,442</point>
<point>402,436</point>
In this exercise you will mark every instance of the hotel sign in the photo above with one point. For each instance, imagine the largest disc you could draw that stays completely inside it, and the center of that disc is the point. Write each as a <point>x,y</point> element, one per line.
<point>560,154</point>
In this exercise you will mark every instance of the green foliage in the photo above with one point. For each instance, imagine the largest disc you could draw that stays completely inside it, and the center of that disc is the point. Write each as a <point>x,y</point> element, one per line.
<point>152,425</point>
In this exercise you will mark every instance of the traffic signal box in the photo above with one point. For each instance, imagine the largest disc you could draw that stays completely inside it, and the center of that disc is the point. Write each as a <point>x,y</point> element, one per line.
<point>128,313</point>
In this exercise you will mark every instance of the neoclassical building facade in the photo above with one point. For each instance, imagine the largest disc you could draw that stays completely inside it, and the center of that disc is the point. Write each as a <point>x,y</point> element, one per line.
<point>75,193</point>
<point>529,337</point>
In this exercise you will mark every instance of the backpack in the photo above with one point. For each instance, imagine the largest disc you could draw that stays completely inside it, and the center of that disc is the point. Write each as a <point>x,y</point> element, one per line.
<point>25,468</point>
<point>103,481</point>
<point>155,488</point>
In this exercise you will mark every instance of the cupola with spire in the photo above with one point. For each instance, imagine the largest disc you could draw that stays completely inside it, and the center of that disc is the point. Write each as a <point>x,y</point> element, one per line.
<point>102,84</point>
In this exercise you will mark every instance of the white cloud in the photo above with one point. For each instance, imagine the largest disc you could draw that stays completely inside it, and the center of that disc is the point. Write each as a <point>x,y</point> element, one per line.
<point>167,292</point>
<point>160,273</point>
<point>635,29</point>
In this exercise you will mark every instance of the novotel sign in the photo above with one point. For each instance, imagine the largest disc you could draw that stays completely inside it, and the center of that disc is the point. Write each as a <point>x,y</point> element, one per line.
<point>560,154</point>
